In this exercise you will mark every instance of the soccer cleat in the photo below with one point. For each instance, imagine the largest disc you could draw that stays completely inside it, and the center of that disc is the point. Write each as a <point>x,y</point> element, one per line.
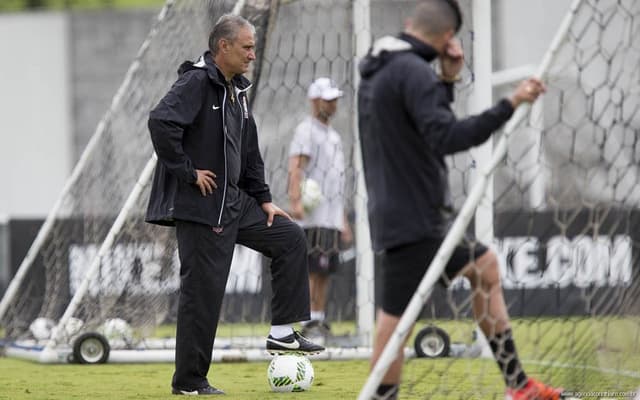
<point>534,390</point>
<point>391,394</point>
<point>203,391</point>
<point>294,343</point>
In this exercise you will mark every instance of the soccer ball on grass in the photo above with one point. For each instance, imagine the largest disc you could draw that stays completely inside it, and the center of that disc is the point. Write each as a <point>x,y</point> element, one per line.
<point>116,329</point>
<point>290,373</point>
<point>41,328</point>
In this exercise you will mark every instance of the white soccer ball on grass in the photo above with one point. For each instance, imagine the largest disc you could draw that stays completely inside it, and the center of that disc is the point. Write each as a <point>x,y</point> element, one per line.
<point>290,373</point>
<point>41,328</point>
<point>311,194</point>
<point>116,329</point>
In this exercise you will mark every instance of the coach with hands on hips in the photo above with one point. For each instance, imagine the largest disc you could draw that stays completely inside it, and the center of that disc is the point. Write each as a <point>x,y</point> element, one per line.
<point>209,183</point>
<point>407,128</point>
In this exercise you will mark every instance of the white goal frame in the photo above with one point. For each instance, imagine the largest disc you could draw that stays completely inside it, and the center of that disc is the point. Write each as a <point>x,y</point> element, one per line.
<point>53,351</point>
<point>457,230</point>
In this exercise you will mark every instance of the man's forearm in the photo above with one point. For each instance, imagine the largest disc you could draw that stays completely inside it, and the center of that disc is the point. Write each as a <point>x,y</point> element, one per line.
<point>295,180</point>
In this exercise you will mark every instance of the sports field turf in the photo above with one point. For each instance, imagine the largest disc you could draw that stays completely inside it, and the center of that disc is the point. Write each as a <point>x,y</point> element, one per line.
<point>582,354</point>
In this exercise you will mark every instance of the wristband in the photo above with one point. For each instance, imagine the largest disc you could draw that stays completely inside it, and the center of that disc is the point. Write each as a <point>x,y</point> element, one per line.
<point>455,79</point>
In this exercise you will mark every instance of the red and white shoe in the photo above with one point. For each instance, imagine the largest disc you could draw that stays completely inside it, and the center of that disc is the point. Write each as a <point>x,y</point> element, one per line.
<point>534,390</point>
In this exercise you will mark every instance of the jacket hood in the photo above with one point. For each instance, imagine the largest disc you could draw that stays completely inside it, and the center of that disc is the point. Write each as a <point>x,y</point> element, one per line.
<point>386,47</point>
<point>205,62</point>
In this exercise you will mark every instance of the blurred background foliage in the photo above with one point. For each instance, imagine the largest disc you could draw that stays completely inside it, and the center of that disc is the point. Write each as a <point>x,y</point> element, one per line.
<point>27,5</point>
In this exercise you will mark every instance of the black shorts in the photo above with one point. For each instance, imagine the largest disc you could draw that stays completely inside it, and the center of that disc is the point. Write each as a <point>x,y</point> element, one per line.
<point>403,268</point>
<point>323,245</point>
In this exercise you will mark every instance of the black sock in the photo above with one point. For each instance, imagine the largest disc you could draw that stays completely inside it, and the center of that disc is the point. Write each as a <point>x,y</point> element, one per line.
<point>504,351</point>
<point>388,390</point>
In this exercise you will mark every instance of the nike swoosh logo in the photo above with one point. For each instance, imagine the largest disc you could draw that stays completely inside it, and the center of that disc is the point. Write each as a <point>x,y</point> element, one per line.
<point>292,346</point>
<point>215,107</point>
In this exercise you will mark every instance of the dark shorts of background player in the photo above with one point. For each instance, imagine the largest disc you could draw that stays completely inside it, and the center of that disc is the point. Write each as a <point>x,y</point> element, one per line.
<point>404,266</point>
<point>323,245</point>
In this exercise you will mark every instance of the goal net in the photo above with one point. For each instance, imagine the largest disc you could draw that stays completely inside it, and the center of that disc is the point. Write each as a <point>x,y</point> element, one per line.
<point>97,267</point>
<point>134,280</point>
<point>564,208</point>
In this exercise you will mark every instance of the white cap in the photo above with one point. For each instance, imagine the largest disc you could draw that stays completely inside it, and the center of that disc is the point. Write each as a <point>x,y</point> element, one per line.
<point>325,89</point>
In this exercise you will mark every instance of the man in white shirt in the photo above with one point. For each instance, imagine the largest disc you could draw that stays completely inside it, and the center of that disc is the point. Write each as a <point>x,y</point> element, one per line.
<point>316,155</point>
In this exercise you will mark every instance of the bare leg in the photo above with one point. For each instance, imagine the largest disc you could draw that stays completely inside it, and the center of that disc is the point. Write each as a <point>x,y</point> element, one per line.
<point>318,284</point>
<point>489,308</point>
<point>492,316</point>
<point>385,325</point>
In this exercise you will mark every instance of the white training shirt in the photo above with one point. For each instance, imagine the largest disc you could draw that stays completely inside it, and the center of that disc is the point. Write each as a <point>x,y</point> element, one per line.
<point>323,146</point>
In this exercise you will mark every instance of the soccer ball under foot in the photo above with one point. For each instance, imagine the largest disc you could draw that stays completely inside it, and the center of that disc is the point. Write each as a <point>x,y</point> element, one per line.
<point>290,373</point>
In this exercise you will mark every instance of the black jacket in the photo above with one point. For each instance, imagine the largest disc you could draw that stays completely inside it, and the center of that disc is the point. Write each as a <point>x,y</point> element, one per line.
<point>188,132</point>
<point>407,127</point>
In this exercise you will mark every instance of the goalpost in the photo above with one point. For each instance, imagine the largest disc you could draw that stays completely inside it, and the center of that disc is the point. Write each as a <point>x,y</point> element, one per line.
<point>457,230</point>
<point>564,208</point>
<point>109,250</point>
<point>614,26</point>
<point>102,218</point>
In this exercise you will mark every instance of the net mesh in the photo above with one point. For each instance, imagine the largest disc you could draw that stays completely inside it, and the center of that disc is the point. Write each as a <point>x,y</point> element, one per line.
<point>137,280</point>
<point>565,206</point>
<point>87,211</point>
<point>565,201</point>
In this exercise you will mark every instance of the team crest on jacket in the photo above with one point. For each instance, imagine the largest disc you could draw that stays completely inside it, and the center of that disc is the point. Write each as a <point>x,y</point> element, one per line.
<point>245,107</point>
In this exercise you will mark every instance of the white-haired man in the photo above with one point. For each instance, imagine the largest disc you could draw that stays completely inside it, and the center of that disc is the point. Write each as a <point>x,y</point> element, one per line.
<point>209,183</point>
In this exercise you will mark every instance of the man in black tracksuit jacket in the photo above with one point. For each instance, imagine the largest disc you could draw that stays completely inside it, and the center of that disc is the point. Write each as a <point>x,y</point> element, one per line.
<point>406,129</point>
<point>209,183</point>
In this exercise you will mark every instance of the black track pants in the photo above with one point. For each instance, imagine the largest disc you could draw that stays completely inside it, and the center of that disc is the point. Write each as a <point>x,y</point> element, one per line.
<point>205,259</point>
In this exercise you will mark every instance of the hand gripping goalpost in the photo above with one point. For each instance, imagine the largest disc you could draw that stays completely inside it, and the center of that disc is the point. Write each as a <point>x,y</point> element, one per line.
<point>459,226</point>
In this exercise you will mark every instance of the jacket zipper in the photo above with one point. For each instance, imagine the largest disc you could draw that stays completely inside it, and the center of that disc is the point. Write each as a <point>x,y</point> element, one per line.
<point>243,103</point>
<point>219,228</point>
<point>224,191</point>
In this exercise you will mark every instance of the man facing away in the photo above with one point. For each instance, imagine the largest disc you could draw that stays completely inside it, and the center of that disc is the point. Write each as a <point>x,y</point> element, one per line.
<point>407,128</point>
<point>209,183</point>
<point>316,153</point>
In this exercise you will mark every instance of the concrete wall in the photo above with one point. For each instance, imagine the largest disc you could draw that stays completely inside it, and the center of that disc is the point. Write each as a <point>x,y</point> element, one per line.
<point>103,45</point>
<point>523,30</point>
<point>35,133</point>
<point>58,74</point>
<point>5,275</point>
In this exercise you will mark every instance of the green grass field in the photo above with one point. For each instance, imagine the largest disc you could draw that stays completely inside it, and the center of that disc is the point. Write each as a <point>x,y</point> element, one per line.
<point>579,354</point>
